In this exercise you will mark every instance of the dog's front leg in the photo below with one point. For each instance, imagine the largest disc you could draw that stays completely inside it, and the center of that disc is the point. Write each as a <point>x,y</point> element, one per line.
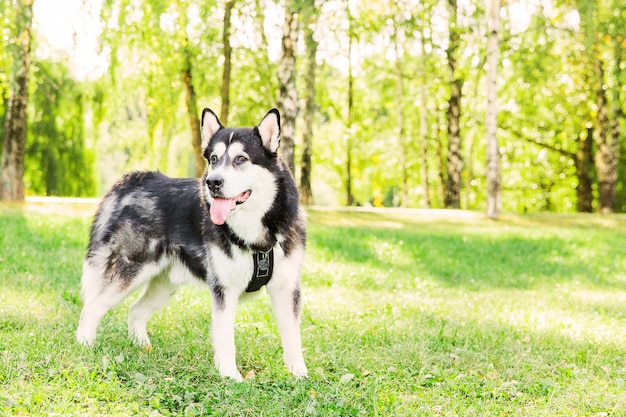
<point>287,305</point>
<point>224,309</point>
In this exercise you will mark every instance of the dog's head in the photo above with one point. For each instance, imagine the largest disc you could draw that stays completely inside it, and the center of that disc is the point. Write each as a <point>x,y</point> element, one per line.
<point>239,176</point>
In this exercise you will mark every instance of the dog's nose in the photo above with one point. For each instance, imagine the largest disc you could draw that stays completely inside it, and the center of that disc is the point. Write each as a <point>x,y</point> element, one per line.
<point>214,183</point>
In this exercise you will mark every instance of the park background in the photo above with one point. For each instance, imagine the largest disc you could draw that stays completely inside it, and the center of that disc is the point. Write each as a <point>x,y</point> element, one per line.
<point>383,103</point>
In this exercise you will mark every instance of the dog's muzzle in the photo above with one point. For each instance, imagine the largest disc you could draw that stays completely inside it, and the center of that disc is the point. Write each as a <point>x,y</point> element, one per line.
<point>222,205</point>
<point>215,184</point>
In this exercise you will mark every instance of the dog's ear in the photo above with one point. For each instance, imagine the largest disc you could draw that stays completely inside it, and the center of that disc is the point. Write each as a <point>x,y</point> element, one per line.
<point>210,125</point>
<point>269,130</point>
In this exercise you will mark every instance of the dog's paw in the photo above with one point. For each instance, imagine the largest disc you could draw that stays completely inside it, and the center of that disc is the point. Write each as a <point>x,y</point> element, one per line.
<point>141,340</point>
<point>230,372</point>
<point>85,338</point>
<point>299,370</point>
<point>236,376</point>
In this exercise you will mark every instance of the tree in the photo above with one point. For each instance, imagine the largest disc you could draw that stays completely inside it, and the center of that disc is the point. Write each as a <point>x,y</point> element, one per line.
<point>6,32</point>
<point>617,109</point>
<point>423,123</point>
<point>191,97</point>
<point>306,193</point>
<point>288,94</point>
<point>398,35</point>
<point>493,154</point>
<point>228,7</point>
<point>455,160</point>
<point>583,159</point>
<point>609,113</point>
<point>607,153</point>
<point>192,114</point>
<point>349,117</point>
<point>12,162</point>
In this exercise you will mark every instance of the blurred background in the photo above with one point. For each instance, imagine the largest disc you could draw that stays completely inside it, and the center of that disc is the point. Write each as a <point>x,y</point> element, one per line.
<point>383,103</point>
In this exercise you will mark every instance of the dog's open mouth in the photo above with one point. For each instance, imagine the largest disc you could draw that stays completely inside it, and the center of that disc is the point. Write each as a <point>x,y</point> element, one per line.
<point>221,207</point>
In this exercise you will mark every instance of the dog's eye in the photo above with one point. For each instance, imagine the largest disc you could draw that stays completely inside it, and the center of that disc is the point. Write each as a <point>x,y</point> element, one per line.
<point>213,159</point>
<point>240,160</point>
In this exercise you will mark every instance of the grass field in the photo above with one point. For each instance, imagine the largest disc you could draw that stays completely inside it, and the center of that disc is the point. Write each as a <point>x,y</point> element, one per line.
<point>407,313</point>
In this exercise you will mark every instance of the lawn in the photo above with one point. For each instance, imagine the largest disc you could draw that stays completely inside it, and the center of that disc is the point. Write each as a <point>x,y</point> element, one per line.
<point>407,313</point>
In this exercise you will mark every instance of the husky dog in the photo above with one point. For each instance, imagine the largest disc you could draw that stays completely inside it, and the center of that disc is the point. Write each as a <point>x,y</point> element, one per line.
<point>237,229</point>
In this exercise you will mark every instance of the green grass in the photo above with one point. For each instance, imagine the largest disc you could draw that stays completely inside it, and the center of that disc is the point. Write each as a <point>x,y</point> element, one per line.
<point>406,313</point>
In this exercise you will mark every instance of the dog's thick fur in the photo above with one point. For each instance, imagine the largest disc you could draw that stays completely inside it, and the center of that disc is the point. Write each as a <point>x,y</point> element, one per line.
<point>160,232</point>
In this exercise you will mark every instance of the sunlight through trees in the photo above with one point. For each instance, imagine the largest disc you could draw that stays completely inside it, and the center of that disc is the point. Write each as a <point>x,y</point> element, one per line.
<point>384,103</point>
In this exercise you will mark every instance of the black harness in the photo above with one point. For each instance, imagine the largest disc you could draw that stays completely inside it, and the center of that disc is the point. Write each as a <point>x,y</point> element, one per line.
<point>263,268</point>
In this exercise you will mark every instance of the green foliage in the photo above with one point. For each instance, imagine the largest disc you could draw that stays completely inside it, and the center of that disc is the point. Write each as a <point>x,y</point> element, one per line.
<point>406,313</point>
<point>546,108</point>
<point>135,115</point>
<point>545,98</point>
<point>163,42</point>
<point>145,124</point>
<point>57,161</point>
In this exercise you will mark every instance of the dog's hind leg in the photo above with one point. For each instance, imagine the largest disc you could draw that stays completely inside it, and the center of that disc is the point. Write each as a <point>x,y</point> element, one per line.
<point>99,296</point>
<point>287,306</point>
<point>156,295</point>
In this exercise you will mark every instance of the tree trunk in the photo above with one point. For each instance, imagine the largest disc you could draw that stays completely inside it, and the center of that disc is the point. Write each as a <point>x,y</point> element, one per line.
<point>288,95</point>
<point>404,195</point>
<point>455,160</point>
<point>470,140</point>
<point>607,152</point>
<point>423,132</point>
<point>607,147</point>
<point>617,113</point>
<point>228,7</point>
<point>191,97</point>
<point>12,162</point>
<point>494,204</point>
<point>584,167</point>
<point>194,121</point>
<point>306,194</point>
<point>441,164</point>
<point>349,196</point>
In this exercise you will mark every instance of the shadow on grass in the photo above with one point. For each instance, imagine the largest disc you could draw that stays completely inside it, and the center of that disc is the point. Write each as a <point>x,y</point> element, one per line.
<point>474,258</point>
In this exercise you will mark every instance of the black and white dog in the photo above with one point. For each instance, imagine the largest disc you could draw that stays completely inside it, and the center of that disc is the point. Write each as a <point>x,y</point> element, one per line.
<point>238,228</point>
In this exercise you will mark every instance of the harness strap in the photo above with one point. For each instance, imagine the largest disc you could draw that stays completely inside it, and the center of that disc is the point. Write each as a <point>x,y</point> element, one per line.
<point>263,268</point>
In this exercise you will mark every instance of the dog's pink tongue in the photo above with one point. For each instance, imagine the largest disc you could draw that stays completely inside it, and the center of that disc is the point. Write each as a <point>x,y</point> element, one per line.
<point>220,208</point>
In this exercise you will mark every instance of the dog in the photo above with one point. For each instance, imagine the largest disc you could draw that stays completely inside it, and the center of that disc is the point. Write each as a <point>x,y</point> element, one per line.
<point>238,228</point>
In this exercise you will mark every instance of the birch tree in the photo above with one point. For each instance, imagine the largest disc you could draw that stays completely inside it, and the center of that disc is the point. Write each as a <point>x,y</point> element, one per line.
<point>398,37</point>
<point>423,130</point>
<point>287,92</point>
<point>494,204</point>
